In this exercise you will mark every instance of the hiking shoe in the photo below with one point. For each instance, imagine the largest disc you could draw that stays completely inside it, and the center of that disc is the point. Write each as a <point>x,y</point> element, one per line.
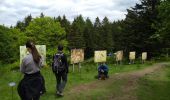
<point>42,92</point>
<point>60,93</point>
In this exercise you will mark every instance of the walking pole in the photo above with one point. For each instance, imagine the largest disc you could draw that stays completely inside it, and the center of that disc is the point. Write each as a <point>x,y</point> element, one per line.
<point>79,67</point>
<point>80,70</point>
<point>73,67</point>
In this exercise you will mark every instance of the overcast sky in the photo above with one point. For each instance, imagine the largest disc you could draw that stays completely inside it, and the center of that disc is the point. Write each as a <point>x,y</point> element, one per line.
<point>12,11</point>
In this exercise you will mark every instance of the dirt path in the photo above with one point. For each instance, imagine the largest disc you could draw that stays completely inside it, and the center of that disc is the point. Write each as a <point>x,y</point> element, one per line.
<point>126,88</point>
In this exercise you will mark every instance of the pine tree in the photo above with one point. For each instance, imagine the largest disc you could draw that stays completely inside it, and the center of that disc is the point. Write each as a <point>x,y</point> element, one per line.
<point>138,28</point>
<point>89,37</point>
<point>66,24</point>
<point>42,15</point>
<point>107,34</point>
<point>98,40</point>
<point>22,25</point>
<point>27,20</point>
<point>117,34</point>
<point>76,39</point>
<point>162,25</point>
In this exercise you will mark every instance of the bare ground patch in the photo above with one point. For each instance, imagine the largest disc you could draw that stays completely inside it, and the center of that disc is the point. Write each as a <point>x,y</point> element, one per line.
<point>127,88</point>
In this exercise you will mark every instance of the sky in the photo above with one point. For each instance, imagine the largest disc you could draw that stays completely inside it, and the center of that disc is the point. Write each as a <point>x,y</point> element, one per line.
<point>12,11</point>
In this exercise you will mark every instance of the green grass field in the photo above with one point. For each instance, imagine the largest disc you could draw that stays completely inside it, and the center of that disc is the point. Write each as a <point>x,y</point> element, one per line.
<point>155,86</point>
<point>9,73</point>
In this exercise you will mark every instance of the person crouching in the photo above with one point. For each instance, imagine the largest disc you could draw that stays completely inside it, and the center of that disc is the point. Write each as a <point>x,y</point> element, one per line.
<point>102,71</point>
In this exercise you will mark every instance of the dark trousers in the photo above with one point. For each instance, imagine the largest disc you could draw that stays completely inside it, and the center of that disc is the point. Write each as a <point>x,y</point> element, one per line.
<point>30,86</point>
<point>61,78</point>
<point>43,89</point>
<point>100,73</point>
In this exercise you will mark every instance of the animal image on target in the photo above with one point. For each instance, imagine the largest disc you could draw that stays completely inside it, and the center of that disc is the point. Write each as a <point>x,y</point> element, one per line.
<point>77,56</point>
<point>132,55</point>
<point>119,55</point>
<point>144,55</point>
<point>100,56</point>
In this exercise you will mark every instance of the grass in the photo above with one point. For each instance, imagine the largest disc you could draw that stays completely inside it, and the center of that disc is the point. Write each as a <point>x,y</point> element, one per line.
<point>155,86</point>
<point>10,73</point>
<point>100,93</point>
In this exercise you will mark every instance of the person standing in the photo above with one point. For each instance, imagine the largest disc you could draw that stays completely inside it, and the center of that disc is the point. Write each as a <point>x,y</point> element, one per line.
<point>31,86</point>
<point>60,69</point>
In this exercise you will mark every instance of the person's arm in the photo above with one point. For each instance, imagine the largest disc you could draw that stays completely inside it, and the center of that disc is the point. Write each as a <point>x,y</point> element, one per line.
<point>66,63</point>
<point>106,68</point>
<point>99,68</point>
<point>22,66</point>
<point>52,64</point>
<point>41,64</point>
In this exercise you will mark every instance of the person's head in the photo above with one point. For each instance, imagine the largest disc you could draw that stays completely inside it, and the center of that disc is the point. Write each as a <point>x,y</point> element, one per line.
<point>101,63</point>
<point>33,50</point>
<point>60,48</point>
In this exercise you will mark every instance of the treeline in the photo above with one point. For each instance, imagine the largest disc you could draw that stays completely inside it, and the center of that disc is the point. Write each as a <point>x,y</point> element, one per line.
<point>145,28</point>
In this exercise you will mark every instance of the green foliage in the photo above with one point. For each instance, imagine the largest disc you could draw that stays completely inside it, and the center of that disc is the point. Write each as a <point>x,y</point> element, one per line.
<point>89,38</point>
<point>22,25</point>
<point>117,35</point>
<point>47,31</point>
<point>138,27</point>
<point>145,28</point>
<point>107,35</point>
<point>75,38</point>
<point>163,24</point>
<point>98,40</point>
<point>10,40</point>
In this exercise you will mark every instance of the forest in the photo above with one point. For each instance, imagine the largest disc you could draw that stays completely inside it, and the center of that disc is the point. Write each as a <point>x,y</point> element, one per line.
<point>144,29</point>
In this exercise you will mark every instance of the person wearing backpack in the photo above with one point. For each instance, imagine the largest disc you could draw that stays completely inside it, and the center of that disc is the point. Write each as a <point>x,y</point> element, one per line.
<point>60,69</point>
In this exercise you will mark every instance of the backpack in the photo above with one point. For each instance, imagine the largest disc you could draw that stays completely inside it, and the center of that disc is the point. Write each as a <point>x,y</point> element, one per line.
<point>58,64</point>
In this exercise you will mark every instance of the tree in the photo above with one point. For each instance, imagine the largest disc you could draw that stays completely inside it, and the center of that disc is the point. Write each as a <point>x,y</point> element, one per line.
<point>42,15</point>
<point>58,19</point>
<point>162,25</point>
<point>10,40</point>
<point>66,24</point>
<point>138,27</point>
<point>27,20</point>
<point>107,34</point>
<point>117,34</point>
<point>98,40</point>
<point>88,37</point>
<point>46,31</point>
<point>22,25</point>
<point>75,37</point>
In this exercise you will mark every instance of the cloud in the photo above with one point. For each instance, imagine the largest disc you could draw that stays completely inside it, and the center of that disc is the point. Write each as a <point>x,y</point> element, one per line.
<point>12,11</point>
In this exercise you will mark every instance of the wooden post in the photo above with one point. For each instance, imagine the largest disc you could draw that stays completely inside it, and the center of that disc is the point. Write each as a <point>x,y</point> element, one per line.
<point>79,67</point>
<point>73,67</point>
<point>117,62</point>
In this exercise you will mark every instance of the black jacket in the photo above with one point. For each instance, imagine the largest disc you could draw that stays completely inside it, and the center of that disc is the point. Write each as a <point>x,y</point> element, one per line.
<point>64,61</point>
